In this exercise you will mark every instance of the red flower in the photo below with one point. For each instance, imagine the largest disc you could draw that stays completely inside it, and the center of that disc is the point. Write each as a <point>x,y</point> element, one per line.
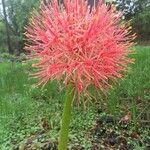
<point>79,44</point>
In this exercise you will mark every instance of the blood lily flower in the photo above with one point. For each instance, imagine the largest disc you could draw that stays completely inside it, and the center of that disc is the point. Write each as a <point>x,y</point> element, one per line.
<point>83,45</point>
<point>79,44</point>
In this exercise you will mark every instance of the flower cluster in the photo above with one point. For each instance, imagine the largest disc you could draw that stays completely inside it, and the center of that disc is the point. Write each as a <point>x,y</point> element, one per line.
<point>80,44</point>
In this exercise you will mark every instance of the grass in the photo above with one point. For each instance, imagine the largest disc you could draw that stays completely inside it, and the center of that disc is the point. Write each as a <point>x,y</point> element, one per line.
<point>24,108</point>
<point>137,84</point>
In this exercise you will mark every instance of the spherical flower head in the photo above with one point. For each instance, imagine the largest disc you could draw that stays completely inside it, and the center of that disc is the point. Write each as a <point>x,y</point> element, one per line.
<point>79,44</point>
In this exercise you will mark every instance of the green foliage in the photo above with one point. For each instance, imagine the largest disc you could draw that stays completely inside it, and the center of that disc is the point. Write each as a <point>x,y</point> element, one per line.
<point>18,12</point>
<point>141,23</point>
<point>130,7</point>
<point>139,12</point>
<point>3,46</point>
<point>7,57</point>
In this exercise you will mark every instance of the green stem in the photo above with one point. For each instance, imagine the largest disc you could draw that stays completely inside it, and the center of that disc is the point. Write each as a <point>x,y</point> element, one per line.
<point>63,139</point>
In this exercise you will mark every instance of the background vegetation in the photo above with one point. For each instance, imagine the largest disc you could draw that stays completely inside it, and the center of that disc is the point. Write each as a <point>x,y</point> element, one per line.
<point>16,14</point>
